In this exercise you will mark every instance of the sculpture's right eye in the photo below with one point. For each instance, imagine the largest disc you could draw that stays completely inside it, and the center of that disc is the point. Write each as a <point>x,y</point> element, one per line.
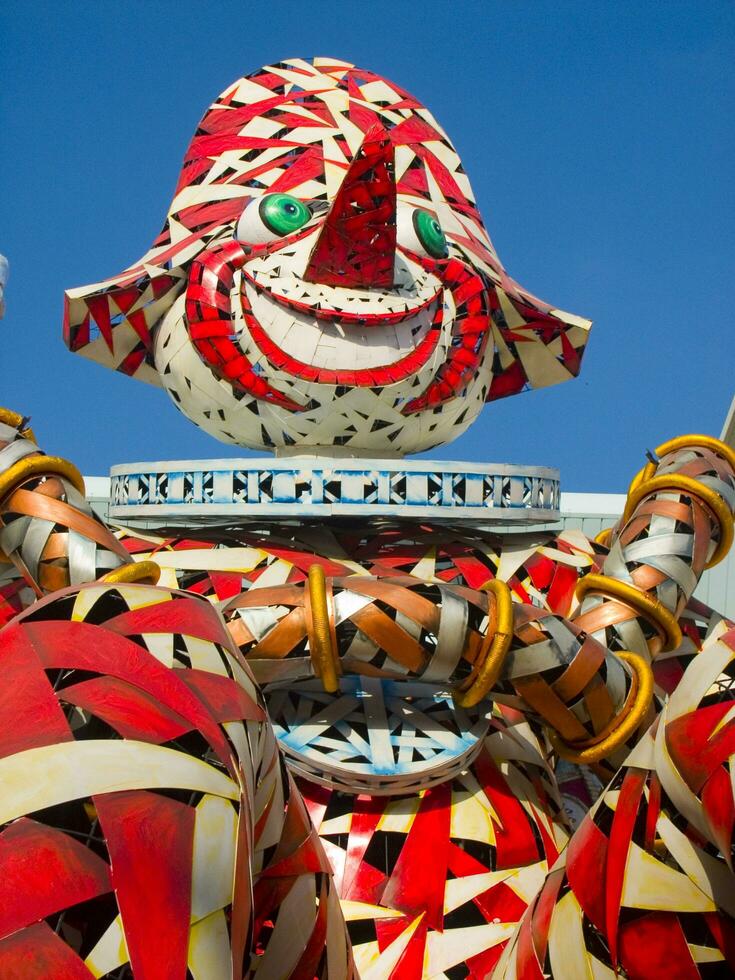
<point>270,217</point>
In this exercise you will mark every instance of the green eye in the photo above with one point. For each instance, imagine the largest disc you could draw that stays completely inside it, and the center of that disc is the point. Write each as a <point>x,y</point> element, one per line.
<point>283,214</point>
<point>429,233</point>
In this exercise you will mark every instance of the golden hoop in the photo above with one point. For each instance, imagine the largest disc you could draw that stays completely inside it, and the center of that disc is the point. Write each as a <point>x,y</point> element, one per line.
<point>642,602</point>
<point>39,465</point>
<point>13,419</point>
<point>692,488</point>
<point>696,441</point>
<point>147,572</point>
<point>323,654</point>
<point>641,476</point>
<point>593,750</point>
<point>494,648</point>
<point>603,537</point>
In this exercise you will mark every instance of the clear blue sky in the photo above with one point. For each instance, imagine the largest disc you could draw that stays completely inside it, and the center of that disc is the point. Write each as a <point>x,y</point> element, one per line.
<point>598,137</point>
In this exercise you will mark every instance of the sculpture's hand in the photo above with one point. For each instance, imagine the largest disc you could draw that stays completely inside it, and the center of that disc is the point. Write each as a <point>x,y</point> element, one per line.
<point>47,528</point>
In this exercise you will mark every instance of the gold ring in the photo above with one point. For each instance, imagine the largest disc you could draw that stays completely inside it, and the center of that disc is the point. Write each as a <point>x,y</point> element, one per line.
<point>147,572</point>
<point>13,419</point>
<point>642,602</point>
<point>698,441</point>
<point>593,750</point>
<point>494,648</point>
<point>323,655</point>
<point>39,465</point>
<point>692,488</point>
<point>641,476</point>
<point>603,537</point>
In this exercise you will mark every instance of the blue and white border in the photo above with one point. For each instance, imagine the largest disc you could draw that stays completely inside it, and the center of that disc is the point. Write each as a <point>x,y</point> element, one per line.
<point>323,487</point>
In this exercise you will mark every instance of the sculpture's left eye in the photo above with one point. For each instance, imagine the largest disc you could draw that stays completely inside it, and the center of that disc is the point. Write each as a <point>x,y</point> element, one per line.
<point>270,217</point>
<point>421,232</point>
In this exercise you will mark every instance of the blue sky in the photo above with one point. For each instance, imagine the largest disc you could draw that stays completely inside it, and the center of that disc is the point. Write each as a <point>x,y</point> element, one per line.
<point>598,137</point>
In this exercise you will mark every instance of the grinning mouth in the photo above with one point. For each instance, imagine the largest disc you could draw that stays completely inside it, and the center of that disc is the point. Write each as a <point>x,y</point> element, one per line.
<point>438,319</point>
<point>313,333</point>
<point>400,309</point>
<point>314,349</point>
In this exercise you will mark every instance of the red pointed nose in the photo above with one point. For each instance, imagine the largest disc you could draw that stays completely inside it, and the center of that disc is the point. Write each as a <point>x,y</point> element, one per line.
<point>356,246</point>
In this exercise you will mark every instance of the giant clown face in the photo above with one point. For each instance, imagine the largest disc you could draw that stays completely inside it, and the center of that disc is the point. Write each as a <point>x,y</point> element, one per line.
<point>324,278</point>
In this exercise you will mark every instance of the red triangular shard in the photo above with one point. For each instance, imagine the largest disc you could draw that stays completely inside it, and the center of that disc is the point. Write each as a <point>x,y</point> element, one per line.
<point>356,246</point>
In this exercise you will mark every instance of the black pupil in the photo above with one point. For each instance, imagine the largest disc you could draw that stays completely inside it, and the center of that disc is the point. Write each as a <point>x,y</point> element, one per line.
<point>291,208</point>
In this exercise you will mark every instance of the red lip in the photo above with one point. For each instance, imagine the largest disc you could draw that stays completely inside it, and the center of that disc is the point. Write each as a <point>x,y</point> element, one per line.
<point>363,319</point>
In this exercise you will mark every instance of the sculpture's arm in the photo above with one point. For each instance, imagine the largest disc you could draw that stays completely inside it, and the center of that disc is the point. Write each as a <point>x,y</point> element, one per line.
<point>587,678</point>
<point>678,521</point>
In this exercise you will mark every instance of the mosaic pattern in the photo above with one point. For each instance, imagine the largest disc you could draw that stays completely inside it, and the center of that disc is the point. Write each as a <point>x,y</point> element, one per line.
<point>324,277</point>
<point>237,488</point>
<point>541,568</point>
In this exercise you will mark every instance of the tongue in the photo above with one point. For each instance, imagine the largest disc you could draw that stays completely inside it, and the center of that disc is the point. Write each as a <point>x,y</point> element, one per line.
<point>357,244</point>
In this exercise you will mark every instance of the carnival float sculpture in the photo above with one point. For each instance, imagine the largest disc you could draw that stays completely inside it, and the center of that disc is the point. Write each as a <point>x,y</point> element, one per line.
<point>303,717</point>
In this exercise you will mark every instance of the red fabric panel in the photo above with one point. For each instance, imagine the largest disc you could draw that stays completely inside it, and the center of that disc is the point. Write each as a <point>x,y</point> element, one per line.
<point>224,697</point>
<point>411,964</point>
<point>87,647</point>
<point>723,929</point>
<point>586,862</point>
<point>417,884</point>
<point>37,953</point>
<point>43,871</point>
<point>365,818</point>
<point>316,799</point>
<point>514,838</point>
<point>500,902</point>
<point>655,946</point>
<point>527,965</point>
<point>481,966</point>
<point>226,584</point>
<point>307,857</point>
<point>543,911</point>
<point>386,930</point>
<point>561,593</point>
<point>150,841</point>
<point>184,615</point>
<point>621,833</point>
<point>718,806</point>
<point>30,715</point>
<point>129,710</point>
<point>693,748</point>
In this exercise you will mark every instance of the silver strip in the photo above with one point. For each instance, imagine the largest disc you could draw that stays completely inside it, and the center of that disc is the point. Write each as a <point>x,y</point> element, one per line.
<point>450,637</point>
